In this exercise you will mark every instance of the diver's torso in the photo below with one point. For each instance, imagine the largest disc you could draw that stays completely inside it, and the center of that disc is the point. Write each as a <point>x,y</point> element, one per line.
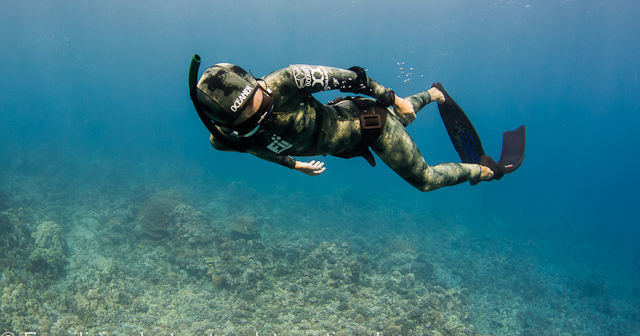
<point>302,126</point>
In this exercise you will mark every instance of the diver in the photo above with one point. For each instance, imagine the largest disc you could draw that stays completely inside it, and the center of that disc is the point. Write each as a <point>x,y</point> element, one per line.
<point>276,118</point>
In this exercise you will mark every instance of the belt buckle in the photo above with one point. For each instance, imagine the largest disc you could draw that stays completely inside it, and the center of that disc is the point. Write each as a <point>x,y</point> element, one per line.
<point>370,121</point>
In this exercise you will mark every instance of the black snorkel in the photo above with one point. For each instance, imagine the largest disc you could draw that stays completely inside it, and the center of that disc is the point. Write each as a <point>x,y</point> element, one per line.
<point>193,76</point>
<point>244,143</point>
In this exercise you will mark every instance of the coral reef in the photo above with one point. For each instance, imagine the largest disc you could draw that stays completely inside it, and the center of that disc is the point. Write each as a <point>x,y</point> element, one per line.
<point>244,227</point>
<point>5,225</point>
<point>227,287</point>
<point>5,201</point>
<point>50,247</point>
<point>155,216</point>
<point>320,272</point>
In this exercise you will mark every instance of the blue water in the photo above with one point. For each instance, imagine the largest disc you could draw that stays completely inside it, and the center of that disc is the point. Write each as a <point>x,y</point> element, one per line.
<point>89,81</point>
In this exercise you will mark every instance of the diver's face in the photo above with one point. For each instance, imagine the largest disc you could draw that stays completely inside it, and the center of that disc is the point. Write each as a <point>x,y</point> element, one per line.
<point>251,108</point>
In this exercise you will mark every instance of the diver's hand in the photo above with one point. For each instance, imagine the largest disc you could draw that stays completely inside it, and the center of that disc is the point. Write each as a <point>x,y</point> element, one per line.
<point>403,107</point>
<point>313,168</point>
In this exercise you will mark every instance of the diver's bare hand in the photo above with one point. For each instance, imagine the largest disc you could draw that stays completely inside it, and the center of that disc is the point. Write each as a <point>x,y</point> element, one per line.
<point>313,168</point>
<point>403,107</point>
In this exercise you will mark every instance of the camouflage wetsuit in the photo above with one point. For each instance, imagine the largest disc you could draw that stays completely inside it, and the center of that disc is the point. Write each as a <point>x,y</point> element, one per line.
<point>302,126</point>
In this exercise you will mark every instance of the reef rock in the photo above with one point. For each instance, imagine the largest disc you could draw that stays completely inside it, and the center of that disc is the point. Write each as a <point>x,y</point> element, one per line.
<point>5,224</point>
<point>244,227</point>
<point>50,246</point>
<point>155,216</point>
<point>5,201</point>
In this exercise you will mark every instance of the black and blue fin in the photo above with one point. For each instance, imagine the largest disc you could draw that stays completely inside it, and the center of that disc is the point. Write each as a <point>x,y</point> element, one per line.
<point>463,135</point>
<point>467,143</point>
<point>512,155</point>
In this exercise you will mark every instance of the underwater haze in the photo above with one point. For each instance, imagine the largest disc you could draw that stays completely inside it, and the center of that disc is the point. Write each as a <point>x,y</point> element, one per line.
<point>117,215</point>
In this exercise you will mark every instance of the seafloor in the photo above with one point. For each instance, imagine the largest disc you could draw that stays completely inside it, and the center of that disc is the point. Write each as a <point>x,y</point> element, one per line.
<point>119,249</point>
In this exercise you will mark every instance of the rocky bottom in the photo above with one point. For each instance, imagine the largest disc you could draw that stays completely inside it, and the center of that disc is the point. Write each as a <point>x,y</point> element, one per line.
<point>97,257</point>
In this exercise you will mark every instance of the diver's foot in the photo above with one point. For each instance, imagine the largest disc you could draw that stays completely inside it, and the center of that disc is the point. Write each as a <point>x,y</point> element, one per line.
<point>489,169</point>
<point>436,95</point>
<point>486,174</point>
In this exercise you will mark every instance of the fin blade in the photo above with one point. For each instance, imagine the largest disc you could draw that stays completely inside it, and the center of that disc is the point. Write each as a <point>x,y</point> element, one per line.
<point>513,145</point>
<point>463,135</point>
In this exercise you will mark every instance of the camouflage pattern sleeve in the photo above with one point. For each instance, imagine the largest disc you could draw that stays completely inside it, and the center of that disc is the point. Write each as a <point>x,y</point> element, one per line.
<point>283,160</point>
<point>307,79</point>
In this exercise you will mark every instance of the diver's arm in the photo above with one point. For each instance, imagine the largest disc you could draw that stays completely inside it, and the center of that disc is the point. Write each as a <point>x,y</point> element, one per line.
<point>313,168</point>
<point>301,79</point>
<point>308,79</point>
<point>283,160</point>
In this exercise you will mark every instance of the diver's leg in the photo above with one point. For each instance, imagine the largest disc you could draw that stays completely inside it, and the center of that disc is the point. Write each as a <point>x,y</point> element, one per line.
<point>420,100</point>
<point>396,148</point>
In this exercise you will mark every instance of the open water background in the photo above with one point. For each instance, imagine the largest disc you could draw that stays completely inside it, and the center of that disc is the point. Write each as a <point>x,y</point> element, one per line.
<point>87,82</point>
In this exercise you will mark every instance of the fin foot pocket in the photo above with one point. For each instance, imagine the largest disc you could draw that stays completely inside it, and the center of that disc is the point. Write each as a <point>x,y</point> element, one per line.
<point>488,162</point>
<point>513,143</point>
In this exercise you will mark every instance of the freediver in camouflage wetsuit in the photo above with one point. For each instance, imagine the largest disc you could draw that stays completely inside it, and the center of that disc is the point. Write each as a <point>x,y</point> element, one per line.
<point>299,125</point>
